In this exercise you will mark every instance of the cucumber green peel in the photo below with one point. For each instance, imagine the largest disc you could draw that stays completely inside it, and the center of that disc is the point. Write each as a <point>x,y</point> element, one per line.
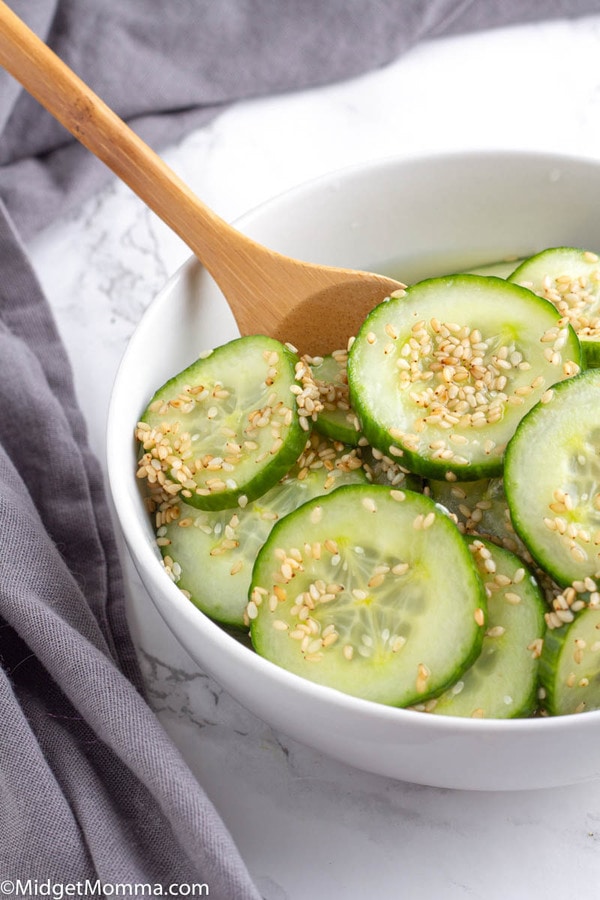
<point>441,374</point>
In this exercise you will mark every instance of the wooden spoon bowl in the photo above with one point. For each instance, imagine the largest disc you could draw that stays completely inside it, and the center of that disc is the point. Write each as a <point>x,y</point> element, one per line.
<point>316,308</point>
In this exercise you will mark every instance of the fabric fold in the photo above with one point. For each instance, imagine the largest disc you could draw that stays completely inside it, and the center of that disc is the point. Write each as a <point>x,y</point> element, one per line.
<point>92,788</point>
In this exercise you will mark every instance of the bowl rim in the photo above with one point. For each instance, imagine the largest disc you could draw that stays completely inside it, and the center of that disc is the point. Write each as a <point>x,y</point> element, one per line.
<point>144,555</point>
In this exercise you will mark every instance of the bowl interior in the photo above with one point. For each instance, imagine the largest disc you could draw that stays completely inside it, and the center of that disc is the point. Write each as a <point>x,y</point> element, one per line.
<point>409,219</point>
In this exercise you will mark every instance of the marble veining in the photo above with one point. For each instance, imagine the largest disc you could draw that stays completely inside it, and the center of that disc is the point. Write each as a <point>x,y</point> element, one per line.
<point>307,826</point>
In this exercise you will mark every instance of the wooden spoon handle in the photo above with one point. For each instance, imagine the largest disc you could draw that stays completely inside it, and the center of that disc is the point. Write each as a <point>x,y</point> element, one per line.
<point>313,306</point>
<point>96,126</point>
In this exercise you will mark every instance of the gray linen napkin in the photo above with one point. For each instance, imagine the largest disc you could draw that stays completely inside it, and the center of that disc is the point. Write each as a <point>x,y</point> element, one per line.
<point>90,786</point>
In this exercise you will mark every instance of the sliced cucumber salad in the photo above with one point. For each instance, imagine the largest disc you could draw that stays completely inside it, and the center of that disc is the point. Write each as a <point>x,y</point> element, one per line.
<point>414,520</point>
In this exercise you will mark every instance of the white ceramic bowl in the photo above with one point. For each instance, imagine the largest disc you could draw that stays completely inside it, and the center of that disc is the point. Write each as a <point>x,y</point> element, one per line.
<point>410,218</point>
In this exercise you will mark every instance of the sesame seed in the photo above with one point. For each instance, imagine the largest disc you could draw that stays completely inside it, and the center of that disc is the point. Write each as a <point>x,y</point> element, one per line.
<point>423,674</point>
<point>495,631</point>
<point>252,610</point>
<point>316,514</point>
<point>428,520</point>
<point>376,580</point>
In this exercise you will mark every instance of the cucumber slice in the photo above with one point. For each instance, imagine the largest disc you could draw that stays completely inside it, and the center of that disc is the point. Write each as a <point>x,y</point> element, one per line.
<point>480,508</point>
<point>570,665</point>
<point>227,428</point>
<point>570,279</point>
<point>337,419</point>
<point>352,591</point>
<point>552,480</point>
<point>502,269</point>
<point>210,553</point>
<point>441,374</point>
<point>502,682</point>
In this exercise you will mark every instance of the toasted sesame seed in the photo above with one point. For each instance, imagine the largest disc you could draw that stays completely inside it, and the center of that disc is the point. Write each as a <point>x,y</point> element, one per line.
<point>495,631</point>
<point>376,580</point>
<point>564,615</point>
<point>252,609</point>
<point>428,520</point>
<point>316,514</point>
<point>397,642</point>
<point>577,552</point>
<point>423,674</point>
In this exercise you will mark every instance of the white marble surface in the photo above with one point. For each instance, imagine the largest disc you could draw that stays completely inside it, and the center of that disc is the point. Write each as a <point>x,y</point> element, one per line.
<point>307,826</point>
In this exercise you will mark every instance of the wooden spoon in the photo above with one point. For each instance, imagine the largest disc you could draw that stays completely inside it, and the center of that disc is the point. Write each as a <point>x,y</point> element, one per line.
<point>314,307</point>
